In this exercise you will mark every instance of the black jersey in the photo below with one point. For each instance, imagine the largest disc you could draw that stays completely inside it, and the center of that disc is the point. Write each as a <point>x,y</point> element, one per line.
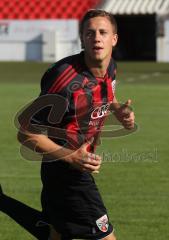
<point>84,103</point>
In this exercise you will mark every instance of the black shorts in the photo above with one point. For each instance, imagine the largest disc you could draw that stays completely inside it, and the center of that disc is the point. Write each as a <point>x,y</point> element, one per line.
<point>72,204</point>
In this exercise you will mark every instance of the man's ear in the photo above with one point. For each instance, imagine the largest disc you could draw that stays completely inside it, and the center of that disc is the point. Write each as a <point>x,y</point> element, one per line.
<point>114,40</point>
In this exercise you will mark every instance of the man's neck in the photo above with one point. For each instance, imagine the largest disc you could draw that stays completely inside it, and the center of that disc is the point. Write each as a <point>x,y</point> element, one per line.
<point>98,69</point>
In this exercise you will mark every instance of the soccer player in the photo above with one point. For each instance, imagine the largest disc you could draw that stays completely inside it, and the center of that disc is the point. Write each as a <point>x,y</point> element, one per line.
<point>82,88</point>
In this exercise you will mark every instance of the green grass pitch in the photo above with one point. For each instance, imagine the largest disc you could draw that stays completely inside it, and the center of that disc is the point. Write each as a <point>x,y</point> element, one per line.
<point>134,179</point>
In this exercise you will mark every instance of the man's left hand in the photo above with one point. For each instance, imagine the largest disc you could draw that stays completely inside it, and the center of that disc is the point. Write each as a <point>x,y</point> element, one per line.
<point>125,115</point>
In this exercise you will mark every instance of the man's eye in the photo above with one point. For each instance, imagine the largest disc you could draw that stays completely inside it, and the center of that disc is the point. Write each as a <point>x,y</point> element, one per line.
<point>89,34</point>
<point>103,32</point>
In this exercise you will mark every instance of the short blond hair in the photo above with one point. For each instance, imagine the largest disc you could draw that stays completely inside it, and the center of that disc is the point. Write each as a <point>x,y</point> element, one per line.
<point>97,13</point>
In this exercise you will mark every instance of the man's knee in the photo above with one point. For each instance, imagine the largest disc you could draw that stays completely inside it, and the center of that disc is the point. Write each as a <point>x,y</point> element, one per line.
<point>111,236</point>
<point>54,235</point>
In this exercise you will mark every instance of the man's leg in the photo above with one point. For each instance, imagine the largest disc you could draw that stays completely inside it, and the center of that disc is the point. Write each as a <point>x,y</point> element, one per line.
<point>111,236</point>
<point>54,235</point>
<point>24,215</point>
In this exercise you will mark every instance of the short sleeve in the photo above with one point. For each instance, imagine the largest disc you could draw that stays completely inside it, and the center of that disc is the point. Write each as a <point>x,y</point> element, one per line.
<point>48,79</point>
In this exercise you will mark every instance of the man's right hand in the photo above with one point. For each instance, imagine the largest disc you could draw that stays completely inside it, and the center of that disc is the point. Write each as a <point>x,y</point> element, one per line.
<point>80,158</point>
<point>84,160</point>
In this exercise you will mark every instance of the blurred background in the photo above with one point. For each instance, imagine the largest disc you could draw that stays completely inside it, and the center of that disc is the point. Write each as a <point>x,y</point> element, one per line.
<point>47,30</point>
<point>134,179</point>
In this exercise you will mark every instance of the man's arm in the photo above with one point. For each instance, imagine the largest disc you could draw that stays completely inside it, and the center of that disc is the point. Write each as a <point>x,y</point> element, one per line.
<point>80,158</point>
<point>123,113</point>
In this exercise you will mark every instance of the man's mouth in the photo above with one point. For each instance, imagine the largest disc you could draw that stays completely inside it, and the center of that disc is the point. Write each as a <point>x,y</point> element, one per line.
<point>96,48</point>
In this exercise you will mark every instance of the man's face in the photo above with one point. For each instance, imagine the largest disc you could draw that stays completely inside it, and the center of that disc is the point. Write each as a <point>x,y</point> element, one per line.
<point>98,38</point>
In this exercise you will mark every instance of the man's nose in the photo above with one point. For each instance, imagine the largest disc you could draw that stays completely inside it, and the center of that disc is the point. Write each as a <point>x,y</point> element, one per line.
<point>97,36</point>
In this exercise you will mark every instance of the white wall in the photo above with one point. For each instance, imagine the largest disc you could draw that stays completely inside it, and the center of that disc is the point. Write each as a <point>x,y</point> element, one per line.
<point>55,48</point>
<point>15,51</point>
<point>163,45</point>
<point>37,40</point>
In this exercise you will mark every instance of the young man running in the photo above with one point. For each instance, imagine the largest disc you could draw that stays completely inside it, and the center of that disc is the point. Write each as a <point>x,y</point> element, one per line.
<point>82,93</point>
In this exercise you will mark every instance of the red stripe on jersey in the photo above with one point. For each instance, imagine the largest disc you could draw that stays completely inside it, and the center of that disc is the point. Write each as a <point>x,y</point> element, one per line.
<point>51,90</point>
<point>77,128</point>
<point>63,80</point>
<point>72,135</point>
<point>110,94</point>
<point>97,96</point>
<point>100,94</point>
<point>66,79</point>
<point>97,102</point>
<point>82,108</point>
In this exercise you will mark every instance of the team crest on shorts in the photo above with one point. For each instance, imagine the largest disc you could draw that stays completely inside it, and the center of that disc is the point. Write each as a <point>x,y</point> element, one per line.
<point>102,223</point>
